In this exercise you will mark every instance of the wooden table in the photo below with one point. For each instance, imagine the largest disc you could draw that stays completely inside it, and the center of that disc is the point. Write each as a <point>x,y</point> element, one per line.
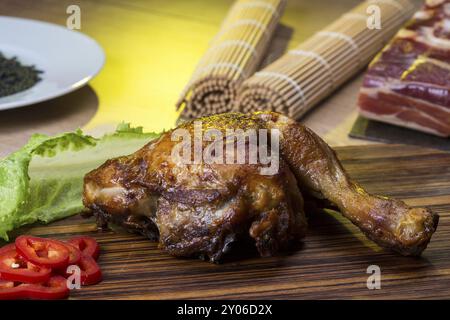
<point>331,263</point>
<point>152,48</point>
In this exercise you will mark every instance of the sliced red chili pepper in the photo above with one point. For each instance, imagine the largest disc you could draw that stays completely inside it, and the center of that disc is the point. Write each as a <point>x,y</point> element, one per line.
<point>90,271</point>
<point>74,258</point>
<point>8,290</point>
<point>6,284</point>
<point>54,288</point>
<point>43,252</point>
<point>8,247</point>
<point>86,245</point>
<point>13,267</point>
<point>74,254</point>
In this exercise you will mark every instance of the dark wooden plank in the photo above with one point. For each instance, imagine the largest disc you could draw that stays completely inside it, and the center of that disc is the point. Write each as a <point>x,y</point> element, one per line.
<point>331,264</point>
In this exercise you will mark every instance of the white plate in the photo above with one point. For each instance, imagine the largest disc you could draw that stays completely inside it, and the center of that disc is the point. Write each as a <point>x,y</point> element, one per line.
<point>68,59</point>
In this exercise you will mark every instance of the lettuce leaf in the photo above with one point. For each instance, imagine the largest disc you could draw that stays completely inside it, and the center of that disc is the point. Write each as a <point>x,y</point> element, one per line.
<point>43,181</point>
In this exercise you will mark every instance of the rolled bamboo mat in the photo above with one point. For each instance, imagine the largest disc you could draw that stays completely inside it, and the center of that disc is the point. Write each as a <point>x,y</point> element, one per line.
<point>302,77</point>
<point>234,55</point>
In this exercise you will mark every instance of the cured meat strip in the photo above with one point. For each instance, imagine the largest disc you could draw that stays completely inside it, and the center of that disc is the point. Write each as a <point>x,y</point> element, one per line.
<point>408,83</point>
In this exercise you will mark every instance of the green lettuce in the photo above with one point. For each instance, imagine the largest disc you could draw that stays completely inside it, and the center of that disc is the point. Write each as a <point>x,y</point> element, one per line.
<point>43,181</point>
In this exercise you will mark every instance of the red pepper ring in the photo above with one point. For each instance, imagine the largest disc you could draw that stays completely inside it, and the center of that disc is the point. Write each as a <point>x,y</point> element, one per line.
<point>13,267</point>
<point>6,284</point>
<point>90,271</point>
<point>43,252</point>
<point>87,245</point>
<point>74,254</point>
<point>54,288</point>
<point>8,247</point>
<point>74,258</point>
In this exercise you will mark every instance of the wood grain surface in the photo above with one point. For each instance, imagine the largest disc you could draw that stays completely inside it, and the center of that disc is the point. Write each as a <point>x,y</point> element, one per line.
<point>331,264</point>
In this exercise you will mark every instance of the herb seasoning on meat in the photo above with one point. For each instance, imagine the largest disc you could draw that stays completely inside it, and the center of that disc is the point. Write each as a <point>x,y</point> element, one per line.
<point>15,77</point>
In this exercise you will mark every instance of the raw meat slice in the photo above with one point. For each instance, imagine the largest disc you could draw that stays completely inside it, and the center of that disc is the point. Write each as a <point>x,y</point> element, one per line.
<point>408,83</point>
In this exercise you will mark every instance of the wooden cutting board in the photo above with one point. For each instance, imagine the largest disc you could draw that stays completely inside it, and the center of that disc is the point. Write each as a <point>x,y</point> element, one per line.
<point>331,264</point>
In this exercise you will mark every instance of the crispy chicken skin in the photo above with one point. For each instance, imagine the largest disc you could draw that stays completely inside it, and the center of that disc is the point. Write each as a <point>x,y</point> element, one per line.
<point>198,209</point>
<point>388,222</point>
<point>201,209</point>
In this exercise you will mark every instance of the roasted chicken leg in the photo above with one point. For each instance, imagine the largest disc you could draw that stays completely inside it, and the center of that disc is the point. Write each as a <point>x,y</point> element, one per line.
<point>200,209</point>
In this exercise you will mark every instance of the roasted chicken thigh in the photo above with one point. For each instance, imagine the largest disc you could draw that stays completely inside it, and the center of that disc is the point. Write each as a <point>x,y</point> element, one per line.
<point>200,209</point>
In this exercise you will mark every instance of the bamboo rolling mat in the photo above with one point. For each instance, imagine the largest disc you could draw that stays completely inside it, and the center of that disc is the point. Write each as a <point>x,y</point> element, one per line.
<point>234,55</point>
<point>304,76</point>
